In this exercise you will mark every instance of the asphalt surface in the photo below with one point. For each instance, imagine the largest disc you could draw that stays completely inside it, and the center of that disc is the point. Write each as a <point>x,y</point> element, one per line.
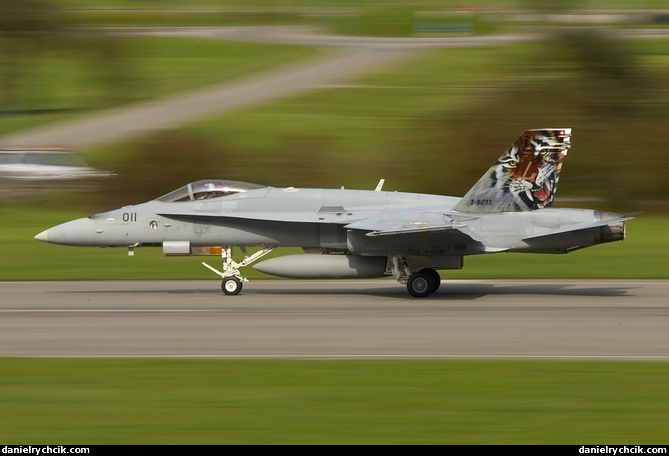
<point>337,319</point>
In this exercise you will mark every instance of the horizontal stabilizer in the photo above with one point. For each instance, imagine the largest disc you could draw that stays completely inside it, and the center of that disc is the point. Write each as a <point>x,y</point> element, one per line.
<point>581,226</point>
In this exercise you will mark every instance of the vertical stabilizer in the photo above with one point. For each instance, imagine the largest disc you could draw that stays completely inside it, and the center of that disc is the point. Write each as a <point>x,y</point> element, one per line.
<point>524,178</point>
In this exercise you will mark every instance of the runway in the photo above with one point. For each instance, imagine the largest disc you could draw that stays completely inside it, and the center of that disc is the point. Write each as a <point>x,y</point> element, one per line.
<point>582,319</point>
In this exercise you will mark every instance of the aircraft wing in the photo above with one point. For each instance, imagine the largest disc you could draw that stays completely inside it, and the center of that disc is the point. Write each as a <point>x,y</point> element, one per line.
<point>398,228</point>
<point>380,227</point>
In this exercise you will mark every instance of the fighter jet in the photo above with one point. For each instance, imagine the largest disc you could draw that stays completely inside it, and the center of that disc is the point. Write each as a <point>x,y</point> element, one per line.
<point>360,233</point>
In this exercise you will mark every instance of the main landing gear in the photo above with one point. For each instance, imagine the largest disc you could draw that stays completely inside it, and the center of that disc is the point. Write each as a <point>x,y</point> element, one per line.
<point>233,281</point>
<point>421,283</point>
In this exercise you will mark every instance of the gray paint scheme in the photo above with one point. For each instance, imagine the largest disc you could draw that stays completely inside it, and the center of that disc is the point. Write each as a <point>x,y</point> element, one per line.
<point>410,233</point>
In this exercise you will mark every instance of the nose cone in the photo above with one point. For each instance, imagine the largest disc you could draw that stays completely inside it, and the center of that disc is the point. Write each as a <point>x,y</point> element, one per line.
<point>43,236</point>
<point>77,232</point>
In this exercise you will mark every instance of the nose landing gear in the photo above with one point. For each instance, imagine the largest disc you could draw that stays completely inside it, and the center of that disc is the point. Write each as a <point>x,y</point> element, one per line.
<point>233,281</point>
<point>231,286</point>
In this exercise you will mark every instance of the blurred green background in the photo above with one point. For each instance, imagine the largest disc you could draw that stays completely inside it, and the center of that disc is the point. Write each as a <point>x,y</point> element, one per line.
<point>190,401</point>
<point>432,123</point>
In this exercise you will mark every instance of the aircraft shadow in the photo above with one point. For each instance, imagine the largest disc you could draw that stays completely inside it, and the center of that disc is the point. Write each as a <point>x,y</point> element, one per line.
<point>447,292</point>
<point>460,291</point>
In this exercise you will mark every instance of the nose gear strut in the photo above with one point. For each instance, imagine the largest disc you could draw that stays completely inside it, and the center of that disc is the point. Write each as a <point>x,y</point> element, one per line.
<point>232,278</point>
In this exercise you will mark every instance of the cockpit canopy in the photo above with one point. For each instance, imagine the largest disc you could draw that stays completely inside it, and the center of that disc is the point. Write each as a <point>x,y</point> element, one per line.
<point>208,188</point>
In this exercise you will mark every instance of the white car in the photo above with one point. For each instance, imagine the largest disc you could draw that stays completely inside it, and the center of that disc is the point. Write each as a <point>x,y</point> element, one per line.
<point>41,164</point>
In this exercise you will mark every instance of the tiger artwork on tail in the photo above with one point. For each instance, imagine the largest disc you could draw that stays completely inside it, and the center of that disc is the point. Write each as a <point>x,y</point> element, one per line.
<point>524,178</point>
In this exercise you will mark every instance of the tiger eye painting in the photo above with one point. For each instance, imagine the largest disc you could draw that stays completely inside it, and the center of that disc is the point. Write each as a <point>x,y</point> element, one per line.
<point>524,178</point>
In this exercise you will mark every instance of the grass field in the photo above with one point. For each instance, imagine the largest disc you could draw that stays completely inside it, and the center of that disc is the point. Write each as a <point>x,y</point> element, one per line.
<point>403,125</point>
<point>355,17</point>
<point>279,4</point>
<point>166,401</point>
<point>72,80</point>
<point>431,124</point>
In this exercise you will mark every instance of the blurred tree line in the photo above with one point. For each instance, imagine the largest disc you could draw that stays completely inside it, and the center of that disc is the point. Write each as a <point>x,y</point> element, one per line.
<point>586,79</point>
<point>594,83</point>
<point>32,32</point>
<point>582,78</point>
<point>27,28</point>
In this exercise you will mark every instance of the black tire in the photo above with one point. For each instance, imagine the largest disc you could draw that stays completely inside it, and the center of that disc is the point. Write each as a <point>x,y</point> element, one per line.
<point>421,284</point>
<point>435,277</point>
<point>231,286</point>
